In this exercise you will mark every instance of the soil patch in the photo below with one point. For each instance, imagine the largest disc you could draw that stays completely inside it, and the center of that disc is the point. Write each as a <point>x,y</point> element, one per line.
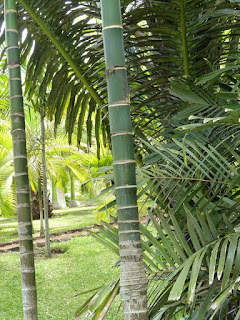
<point>60,236</point>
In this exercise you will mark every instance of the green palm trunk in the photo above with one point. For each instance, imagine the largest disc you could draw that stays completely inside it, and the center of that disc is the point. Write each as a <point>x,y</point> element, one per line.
<point>29,292</point>
<point>73,202</point>
<point>45,197</point>
<point>133,283</point>
<point>40,206</point>
<point>72,188</point>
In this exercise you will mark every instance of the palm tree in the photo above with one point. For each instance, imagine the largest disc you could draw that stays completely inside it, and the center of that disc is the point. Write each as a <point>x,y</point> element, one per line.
<point>133,283</point>
<point>164,39</point>
<point>29,292</point>
<point>40,206</point>
<point>153,56</point>
<point>45,197</point>
<point>54,158</point>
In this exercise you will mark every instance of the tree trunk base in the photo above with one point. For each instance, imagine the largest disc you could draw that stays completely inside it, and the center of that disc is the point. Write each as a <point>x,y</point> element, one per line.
<point>73,204</point>
<point>55,205</point>
<point>133,282</point>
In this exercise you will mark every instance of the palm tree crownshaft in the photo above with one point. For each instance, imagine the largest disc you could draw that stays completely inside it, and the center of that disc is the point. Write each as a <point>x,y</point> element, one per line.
<point>29,293</point>
<point>133,283</point>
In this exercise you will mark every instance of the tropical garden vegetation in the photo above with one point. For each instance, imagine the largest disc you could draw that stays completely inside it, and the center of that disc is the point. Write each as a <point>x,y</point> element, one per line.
<point>182,64</point>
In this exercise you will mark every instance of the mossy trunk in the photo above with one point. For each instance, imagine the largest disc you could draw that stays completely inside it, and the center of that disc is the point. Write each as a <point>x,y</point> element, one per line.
<point>133,283</point>
<point>29,292</point>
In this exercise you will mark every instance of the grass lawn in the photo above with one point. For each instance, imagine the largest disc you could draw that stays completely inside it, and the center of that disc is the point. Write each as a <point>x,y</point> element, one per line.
<point>63,220</point>
<point>84,265</point>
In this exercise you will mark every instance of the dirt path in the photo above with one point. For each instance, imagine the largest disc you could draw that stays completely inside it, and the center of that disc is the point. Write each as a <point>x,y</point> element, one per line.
<point>55,237</point>
<point>60,236</point>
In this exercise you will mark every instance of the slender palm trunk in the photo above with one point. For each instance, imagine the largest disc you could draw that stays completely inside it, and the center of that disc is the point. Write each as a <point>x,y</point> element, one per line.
<point>29,292</point>
<point>40,206</point>
<point>45,197</point>
<point>72,188</point>
<point>133,283</point>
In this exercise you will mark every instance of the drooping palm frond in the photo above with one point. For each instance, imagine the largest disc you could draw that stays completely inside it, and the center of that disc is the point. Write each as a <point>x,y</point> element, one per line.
<point>163,39</point>
<point>191,245</point>
<point>98,305</point>
<point>188,172</point>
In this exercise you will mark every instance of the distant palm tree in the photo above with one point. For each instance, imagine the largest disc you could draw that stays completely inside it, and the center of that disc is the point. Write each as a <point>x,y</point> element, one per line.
<point>59,154</point>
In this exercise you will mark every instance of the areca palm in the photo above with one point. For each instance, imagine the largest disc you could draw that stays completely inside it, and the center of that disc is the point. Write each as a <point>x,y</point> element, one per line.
<point>133,284</point>
<point>192,244</point>
<point>164,39</point>
<point>59,154</point>
<point>190,273</point>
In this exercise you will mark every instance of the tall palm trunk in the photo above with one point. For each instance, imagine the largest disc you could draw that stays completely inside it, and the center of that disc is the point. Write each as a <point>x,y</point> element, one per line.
<point>45,196</point>
<point>40,206</point>
<point>133,283</point>
<point>29,292</point>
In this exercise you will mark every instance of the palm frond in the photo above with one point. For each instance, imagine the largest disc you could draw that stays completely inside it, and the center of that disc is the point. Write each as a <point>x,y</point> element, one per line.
<point>182,275</point>
<point>163,39</point>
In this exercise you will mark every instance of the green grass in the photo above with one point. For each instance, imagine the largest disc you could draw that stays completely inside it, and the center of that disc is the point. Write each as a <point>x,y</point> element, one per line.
<point>85,265</point>
<point>63,220</point>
